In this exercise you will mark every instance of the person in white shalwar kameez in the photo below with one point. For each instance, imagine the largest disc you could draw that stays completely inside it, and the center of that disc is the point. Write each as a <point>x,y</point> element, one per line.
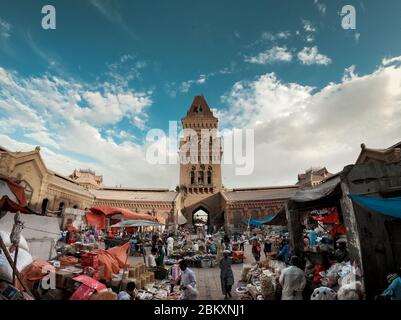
<point>293,281</point>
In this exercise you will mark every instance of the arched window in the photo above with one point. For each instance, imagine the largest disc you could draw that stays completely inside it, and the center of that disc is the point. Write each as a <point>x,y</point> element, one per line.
<point>201,177</point>
<point>45,203</point>
<point>61,207</point>
<point>192,177</point>
<point>237,219</point>
<point>209,177</point>
<point>75,206</point>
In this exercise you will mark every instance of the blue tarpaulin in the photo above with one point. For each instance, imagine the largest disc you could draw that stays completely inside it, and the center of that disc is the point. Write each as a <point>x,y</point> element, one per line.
<point>387,206</point>
<point>254,222</point>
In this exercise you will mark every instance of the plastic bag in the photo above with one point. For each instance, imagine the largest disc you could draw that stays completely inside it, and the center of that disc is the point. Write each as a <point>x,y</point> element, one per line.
<point>24,259</point>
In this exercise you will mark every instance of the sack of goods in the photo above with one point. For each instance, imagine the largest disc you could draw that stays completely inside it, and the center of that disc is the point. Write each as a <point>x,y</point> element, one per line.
<point>268,287</point>
<point>24,259</point>
<point>245,271</point>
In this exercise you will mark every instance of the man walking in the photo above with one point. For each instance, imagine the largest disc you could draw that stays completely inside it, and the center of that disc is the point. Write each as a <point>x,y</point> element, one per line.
<point>226,275</point>
<point>292,280</point>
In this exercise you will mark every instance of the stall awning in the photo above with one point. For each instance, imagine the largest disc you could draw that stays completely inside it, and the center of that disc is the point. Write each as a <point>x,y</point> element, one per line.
<point>316,193</point>
<point>261,222</point>
<point>387,206</point>
<point>95,220</point>
<point>136,223</point>
<point>111,211</point>
<point>279,219</point>
<point>12,196</point>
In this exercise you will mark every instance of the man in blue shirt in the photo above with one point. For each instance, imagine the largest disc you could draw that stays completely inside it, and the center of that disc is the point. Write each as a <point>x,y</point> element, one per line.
<point>394,289</point>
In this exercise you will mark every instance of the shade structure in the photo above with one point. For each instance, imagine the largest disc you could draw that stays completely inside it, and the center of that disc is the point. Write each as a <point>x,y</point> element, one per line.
<point>12,196</point>
<point>136,223</point>
<point>386,206</point>
<point>257,223</point>
<point>111,211</point>
<point>279,219</point>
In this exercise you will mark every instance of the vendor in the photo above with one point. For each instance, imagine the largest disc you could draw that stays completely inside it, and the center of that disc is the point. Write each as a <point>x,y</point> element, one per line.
<point>130,292</point>
<point>188,282</point>
<point>160,253</point>
<point>393,292</point>
<point>174,276</point>
<point>267,248</point>
<point>212,248</point>
<point>341,253</point>
<point>256,249</point>
<point>312,237</point>
<point>293,280</point>
<point>284,252</point>
<point>170,245</point>
<point>152,258</point>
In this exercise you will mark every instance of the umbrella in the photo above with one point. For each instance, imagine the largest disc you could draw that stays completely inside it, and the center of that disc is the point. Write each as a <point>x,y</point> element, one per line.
<point>136,223</point>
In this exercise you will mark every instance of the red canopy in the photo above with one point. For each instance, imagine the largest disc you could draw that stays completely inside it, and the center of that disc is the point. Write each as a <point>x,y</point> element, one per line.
<point>111,211</point>
<point>96,220</point>
<point>17,190</point>
<point>8,205</point>
<point>97,215</point>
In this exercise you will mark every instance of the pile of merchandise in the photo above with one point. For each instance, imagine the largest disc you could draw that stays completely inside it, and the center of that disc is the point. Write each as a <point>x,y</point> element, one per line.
<point>259,282</point>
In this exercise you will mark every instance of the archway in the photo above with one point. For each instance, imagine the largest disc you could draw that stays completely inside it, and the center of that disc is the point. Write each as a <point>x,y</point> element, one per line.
<point>201,219</point>
<point>45,203</point>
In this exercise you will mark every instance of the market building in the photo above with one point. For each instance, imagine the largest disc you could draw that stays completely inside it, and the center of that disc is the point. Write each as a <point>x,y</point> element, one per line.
<point>200,185</point>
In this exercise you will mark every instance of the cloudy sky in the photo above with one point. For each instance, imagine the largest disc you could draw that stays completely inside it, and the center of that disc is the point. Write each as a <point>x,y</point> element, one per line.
<point>89,91</point>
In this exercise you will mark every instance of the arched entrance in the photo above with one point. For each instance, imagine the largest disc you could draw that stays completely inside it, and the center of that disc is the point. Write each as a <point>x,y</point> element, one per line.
<point>45,203</point>
<point>201,219</point>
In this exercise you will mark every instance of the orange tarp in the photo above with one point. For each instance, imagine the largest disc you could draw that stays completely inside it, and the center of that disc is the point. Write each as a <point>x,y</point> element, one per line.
<point>113,259</point>
<point>111,211</point>
<point>17,190</point>
<point>34,272</point>
<point>95,220</point>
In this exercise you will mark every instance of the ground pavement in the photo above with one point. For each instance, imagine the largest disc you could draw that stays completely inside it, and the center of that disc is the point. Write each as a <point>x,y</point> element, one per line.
<point>208,279</point>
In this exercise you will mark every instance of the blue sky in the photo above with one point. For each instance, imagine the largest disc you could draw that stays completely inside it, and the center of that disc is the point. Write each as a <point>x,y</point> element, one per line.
<point>135,65</point>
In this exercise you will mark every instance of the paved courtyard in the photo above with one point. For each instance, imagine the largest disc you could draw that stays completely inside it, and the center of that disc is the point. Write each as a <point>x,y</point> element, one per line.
<point>208,279</point>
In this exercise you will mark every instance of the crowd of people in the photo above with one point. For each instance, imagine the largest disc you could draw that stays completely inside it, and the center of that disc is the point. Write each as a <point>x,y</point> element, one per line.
<point>293,281</point>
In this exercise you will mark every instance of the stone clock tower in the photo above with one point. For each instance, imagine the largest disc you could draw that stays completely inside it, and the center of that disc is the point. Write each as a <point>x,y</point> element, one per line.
<point>200,174</point>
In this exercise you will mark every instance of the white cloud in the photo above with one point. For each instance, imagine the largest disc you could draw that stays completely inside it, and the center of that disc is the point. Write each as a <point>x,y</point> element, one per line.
<point>186,85</point>
<point>297,126</point>
<point>311,56</point>
<point>308,26</point>
<point>349,73</point>
<point>43,137</point>
<point>309,38</point>
<point>321,7</point>
<point>388,61</point>
<point>275,36</point>
<point>5,29</point>
<point>357,36</point>
<point>66,118</point>
<point>272,55</point>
